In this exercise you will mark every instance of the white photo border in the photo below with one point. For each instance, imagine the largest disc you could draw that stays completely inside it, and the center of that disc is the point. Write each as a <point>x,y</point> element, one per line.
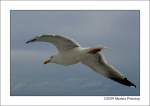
<point>7,6</point>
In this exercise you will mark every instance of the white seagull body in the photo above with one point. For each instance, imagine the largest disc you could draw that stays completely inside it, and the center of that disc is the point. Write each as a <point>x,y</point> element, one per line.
<point>71,52</point>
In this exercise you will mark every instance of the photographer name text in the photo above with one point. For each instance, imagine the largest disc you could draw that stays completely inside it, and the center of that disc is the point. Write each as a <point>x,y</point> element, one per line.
<point>122,98</point>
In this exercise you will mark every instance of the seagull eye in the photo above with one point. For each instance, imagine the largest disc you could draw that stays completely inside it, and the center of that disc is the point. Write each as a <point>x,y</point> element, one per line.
<point>52,57</point>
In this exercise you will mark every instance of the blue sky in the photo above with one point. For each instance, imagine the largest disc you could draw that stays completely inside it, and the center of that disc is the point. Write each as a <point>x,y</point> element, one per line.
<point>118,30</point>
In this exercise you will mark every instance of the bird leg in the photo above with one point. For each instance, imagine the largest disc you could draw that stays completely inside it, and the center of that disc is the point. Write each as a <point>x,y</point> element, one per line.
<point>94,50</point>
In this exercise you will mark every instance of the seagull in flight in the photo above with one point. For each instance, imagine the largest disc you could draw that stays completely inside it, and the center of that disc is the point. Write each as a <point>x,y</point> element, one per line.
<point>70,52</point>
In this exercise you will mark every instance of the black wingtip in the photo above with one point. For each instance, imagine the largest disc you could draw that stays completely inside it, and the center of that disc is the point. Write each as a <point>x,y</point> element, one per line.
<point>27,42</point>
<point>134,86</point>
<point>124,81</point>
<point>30,41</point>
<point>129,83</point>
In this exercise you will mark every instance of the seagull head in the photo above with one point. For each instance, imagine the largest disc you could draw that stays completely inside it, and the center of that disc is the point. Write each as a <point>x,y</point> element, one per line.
<point>49,60</point>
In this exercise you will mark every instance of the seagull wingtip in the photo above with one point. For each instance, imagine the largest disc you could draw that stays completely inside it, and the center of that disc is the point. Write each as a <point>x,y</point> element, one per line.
<point>133,86</point>
<point>30,41</point>
<point>27,42</point>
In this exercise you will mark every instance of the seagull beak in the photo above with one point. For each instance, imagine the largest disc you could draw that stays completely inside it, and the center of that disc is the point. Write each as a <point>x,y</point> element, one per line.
<point>46,61</point>
<point>31,40</point>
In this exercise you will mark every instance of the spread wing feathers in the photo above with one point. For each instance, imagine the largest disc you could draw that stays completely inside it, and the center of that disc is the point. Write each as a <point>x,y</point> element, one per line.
<point>100,65</point>
<point>62,43</point>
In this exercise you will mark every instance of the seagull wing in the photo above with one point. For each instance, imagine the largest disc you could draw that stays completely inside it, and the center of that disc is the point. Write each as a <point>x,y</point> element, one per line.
<point>62,43</point>
<point>100,65</point>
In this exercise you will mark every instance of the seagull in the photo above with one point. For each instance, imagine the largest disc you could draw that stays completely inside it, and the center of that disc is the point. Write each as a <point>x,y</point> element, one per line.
<point>70,52</point>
